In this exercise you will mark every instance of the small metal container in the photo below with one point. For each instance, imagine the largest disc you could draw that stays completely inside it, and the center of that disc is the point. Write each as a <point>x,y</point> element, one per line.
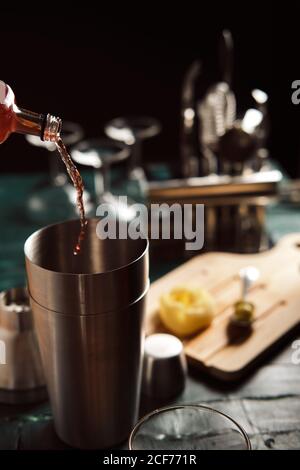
<point>21,373</point>
<point>165,368</point>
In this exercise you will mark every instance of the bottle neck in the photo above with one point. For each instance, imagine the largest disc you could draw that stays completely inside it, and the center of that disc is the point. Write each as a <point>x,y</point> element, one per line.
<point>51,129</point>
<point>47,127</point>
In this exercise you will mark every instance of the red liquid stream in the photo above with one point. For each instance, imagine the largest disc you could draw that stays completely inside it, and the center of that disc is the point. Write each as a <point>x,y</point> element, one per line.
<point>78,184</point>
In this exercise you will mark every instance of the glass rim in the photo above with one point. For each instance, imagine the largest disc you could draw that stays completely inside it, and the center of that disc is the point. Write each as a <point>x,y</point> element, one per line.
<point>122,151</point>
<point>164,409</point>
<point>152,125</point>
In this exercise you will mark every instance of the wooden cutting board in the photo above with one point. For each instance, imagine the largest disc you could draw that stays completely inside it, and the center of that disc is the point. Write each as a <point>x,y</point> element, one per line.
<point>276,296</point>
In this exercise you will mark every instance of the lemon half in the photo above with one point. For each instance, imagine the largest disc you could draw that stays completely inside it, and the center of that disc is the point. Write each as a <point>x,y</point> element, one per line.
<point>185,310</point>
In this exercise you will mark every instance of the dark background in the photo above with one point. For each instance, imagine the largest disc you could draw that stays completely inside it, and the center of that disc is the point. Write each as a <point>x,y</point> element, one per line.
<point>89,65</point>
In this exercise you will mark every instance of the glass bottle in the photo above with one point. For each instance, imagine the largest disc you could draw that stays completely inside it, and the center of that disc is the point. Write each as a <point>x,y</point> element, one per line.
<point>22,121</point>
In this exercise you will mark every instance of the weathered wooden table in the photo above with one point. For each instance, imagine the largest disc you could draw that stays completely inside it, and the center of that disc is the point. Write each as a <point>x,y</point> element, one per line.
<point>266,403</point>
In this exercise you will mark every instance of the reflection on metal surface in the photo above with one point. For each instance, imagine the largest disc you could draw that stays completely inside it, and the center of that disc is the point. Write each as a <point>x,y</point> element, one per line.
<point>21,376</point>
<point>217,185</point>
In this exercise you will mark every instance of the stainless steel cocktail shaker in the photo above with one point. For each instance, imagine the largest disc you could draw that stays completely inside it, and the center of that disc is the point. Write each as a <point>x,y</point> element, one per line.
<point>88,310</point>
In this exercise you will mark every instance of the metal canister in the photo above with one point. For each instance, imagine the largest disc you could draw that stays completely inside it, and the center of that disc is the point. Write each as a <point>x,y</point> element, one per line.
<point>88,311</point>
<point>21,374</point>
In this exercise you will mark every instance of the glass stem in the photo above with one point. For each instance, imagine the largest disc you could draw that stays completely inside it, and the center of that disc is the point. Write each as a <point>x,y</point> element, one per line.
<point>101,182</point>
<point>135,160</point>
